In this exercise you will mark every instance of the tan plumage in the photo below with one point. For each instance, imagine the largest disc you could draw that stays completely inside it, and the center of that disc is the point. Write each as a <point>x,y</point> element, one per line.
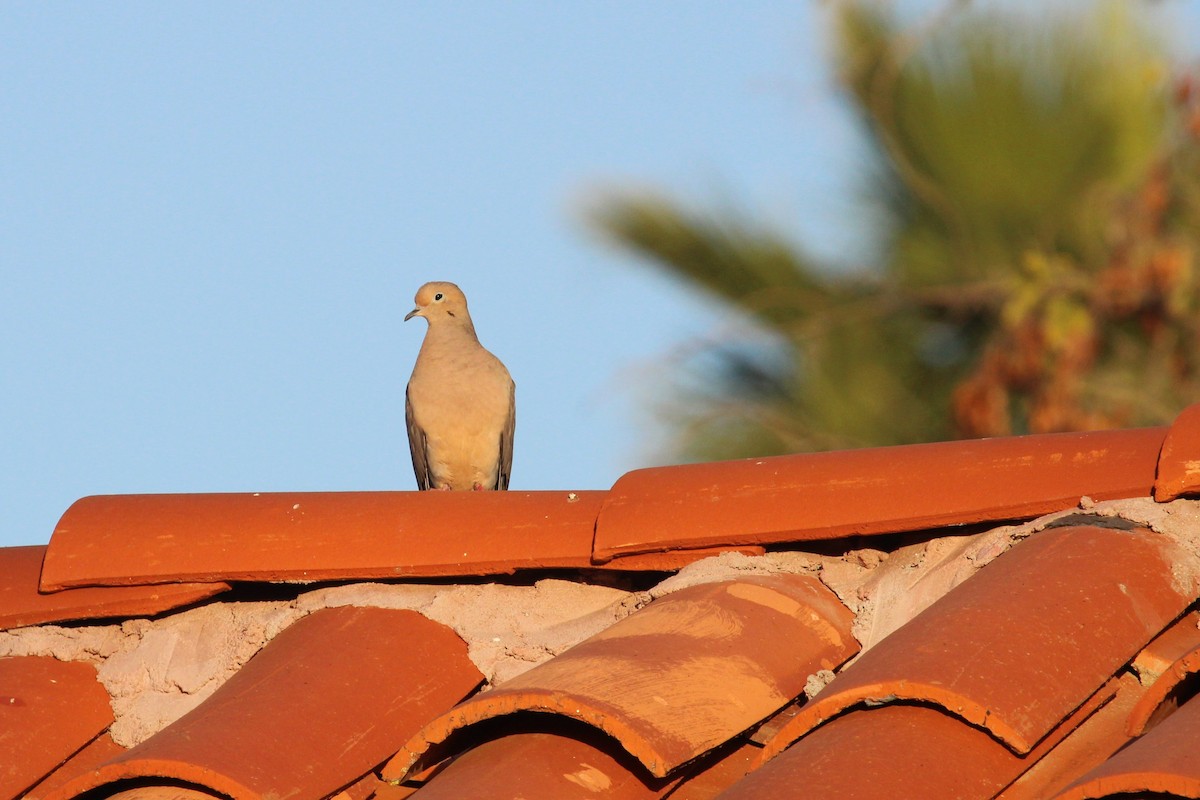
<point>460,402</point>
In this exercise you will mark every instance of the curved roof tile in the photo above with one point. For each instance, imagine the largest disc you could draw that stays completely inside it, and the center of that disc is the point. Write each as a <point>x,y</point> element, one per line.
<point>1083,749</point>
<point>49,709</point>
<point>1179,461</point>
<point>896,751</point>
<point>873,490</point>
<point>679,677</point>
<point>311,536</point>
<point>22,604</point>
<point>93,754</point>
<point>1025,641</point>
<point>1162,761</point>
<point>1159,701</point>
<point>378,673</point>
<point>545,765</point>
<point>902,750</point>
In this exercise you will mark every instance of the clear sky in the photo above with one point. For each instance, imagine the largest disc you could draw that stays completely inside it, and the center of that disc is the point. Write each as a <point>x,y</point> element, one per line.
<point>215,215</point>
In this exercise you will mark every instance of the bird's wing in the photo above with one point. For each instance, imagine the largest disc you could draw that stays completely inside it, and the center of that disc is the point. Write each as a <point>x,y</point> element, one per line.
<point>416,446</point>
<point>506,439</point>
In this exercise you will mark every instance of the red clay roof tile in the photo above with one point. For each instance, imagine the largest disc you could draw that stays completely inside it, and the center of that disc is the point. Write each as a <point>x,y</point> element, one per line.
<point>902,751</point>
<point>1163,695</point>
<point>911,487</point>
<point>95,753</point>
<point>673,560</point>
<point>364,787</point>
<point>895,751</point>
<point>322,704</point>
<point>1164,760</point>
<point>161,793</point>
<point>49,710</point>
<point>22,604</point>
<point>579,762</point>
<point>679,677</point>
<point>389,791</point>
<point>1097,738</point>
<point>716,775</point>
<point>545,765</point>
<point>137,539</point>
<point>1025,641</point>
<point>1179,461</point>
<point>1157,658</point>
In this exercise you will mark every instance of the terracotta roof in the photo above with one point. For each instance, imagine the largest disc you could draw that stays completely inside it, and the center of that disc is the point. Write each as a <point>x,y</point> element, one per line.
<point>314,711</point>
<point>51,710</point>
<point>22,604</point>
<point>1011,618</point>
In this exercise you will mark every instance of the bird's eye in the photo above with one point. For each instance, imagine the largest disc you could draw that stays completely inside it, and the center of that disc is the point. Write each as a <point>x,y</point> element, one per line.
<point>438,296</point>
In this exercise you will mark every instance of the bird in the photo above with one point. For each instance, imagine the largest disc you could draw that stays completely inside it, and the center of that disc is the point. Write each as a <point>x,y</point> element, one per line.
<point>460,403</point>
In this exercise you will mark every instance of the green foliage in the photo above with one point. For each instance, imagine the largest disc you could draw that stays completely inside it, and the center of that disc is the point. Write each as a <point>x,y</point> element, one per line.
<point>1040,187</point>
<point>1004,133</point>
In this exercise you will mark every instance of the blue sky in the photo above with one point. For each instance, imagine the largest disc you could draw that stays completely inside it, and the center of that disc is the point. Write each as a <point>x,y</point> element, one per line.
<point>215,216</point>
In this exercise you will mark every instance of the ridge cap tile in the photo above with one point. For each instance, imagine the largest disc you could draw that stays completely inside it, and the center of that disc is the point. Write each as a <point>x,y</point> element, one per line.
<point>1179,460</point>
<point>107,540</point>
<point>21,604</point>
<point>351,680</point>
<point>814,496</point>
<point>50,710</point>
<point>1163,761</point>
<point>736,650</point>
<point>1111,588</point>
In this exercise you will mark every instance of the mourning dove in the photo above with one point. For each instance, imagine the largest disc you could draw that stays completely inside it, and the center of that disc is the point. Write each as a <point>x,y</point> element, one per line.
<point>460,404</point>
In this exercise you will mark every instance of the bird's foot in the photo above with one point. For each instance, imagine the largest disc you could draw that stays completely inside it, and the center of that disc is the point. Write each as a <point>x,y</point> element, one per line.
<point>477,487</point>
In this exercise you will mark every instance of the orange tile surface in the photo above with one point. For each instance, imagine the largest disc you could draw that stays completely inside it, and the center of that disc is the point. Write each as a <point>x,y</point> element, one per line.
<point>22,604</point>
<point>161,793</point>
<point>317,708</point>
<point>904,751</point>
<point>545,765</point>
<point>878,490</point>
<point>1179,461</point>
<point>1157,658</point>
<point>1025,641</point>
<point>361,789</point>
<point>1163,761</point>
<point>680,676</point>
<point>1166,693</point>
<point>389,791</point>
<point>892,752</point>
<point>673,560</point>
<point>49,710</point>
<point>137,539</point>
<point>1097,738</point>
<point>714,776</point>
<point>95,753</point>
<point>1035,675</point>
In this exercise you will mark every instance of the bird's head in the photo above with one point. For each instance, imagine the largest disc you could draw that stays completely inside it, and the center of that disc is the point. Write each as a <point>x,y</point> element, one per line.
<point>437,300</point>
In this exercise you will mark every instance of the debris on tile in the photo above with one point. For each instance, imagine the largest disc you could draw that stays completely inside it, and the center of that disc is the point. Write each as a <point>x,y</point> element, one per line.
<point>816,682</point>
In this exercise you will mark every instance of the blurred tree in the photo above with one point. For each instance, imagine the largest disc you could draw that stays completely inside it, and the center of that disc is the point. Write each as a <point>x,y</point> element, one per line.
<point>1040,186</point>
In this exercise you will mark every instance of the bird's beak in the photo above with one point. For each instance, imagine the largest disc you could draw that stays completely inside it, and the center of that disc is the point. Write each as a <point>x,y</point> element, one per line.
<point>415,312</point>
